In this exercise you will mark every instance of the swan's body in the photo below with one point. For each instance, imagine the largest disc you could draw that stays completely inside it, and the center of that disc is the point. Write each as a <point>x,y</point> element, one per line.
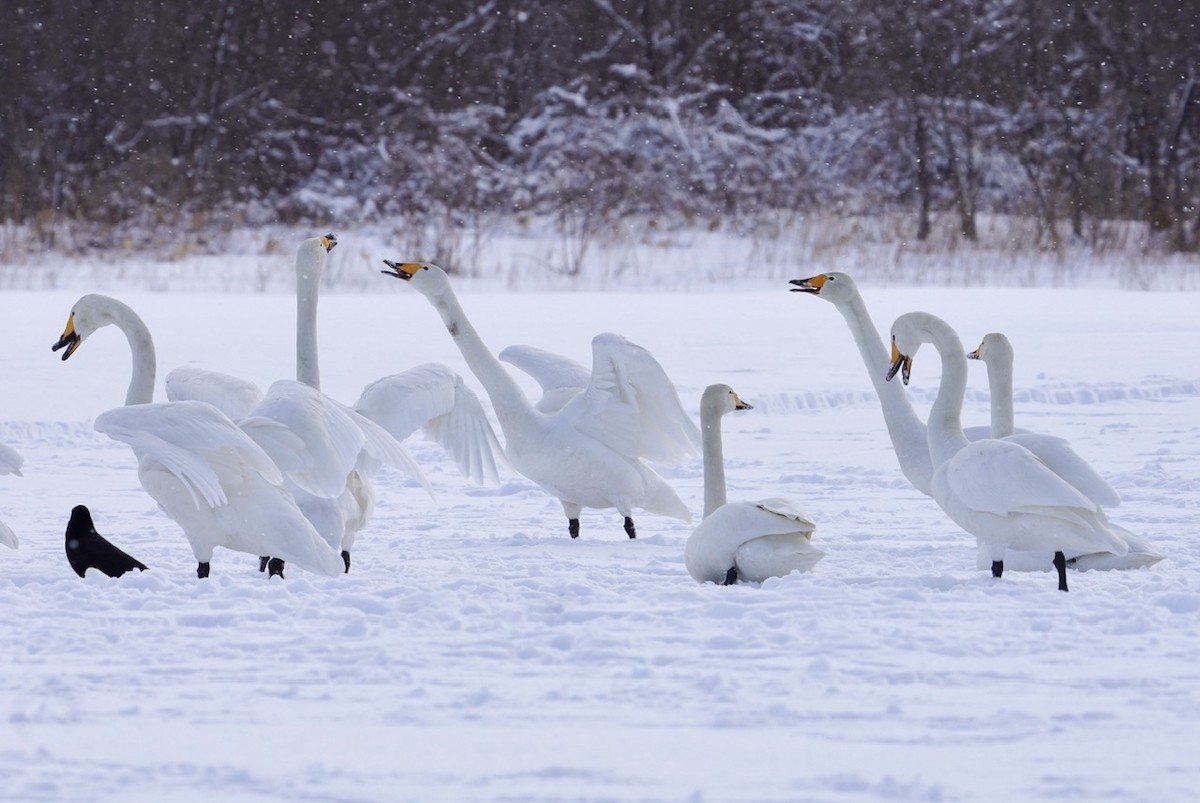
<point>742,541</point>
<point>996,353</point>
<point>232,395</point>
<point>10,463</point>
<point>206,473</point>
<point>590,452</point>
<point>996,489</point>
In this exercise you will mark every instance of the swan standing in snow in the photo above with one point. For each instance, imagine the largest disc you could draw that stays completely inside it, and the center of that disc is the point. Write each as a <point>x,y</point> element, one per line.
<point>995,489</point>
<point>10,463</point>
<point>206,473</point>
<point>748,541</point>
<point>996,353</point>
<point>590,452</point>
<point>908,432</point>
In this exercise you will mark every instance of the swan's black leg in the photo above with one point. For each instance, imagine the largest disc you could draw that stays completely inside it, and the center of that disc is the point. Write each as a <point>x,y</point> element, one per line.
<point>275,567</point>
<point>730,576</point>
<point>573,527</point>
<point>997,568</point>
<point>346,559</point>
<point>202,570</point>
<point>1060,563</point>
<point>629,530</point>
<point>262,562</point>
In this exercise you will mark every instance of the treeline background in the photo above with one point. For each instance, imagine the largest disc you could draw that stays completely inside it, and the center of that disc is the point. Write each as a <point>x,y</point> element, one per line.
<point>168,115</point>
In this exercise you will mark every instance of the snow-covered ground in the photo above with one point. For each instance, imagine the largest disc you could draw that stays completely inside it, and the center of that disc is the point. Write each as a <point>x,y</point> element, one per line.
<point>476,653</point>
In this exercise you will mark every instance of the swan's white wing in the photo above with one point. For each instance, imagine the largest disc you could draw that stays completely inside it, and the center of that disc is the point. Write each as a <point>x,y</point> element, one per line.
<point>1064,461</point>
<point>1001,478</point>
<point>232,395</point>
<point>560,378</point>
<point>768,538</point>
<point>10,461</point>
<point>192,440</point>
<point>433,398</point>
<point>379,445</point>
<point>631,405</point>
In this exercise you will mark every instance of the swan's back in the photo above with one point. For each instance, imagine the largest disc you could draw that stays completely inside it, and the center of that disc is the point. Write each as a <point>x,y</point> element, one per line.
<point>772,537</point>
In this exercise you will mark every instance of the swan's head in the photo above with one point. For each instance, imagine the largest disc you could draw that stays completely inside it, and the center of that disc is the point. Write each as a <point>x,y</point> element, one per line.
<point>829,286</point>
<point>90,313</point>
<point>994,350</point>
<point>722,399</point>
<point>312,254</point>
<point>425,277</point>
<point>907,336</point>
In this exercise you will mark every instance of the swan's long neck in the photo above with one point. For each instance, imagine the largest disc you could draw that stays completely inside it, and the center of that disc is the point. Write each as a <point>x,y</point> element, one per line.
<point>945,416</point>
<point>714,459</point>
<point>308,370</point>
<point>904,426</point>
<point>513,410</point>
<point>141,346</point>
<point>1000,388</point>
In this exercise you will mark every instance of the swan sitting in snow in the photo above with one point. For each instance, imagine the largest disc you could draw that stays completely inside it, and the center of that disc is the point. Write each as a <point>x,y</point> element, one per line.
<point>590,452</point>
<point>997,490</point>
<point>204,472</point>
<point>10,463</point>
<point>746,541</point>
<point>996,353</point>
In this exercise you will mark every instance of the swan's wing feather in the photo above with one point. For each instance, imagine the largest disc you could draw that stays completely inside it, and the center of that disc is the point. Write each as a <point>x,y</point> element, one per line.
<point>232,395</point>
<point>551,371</point>
<point>1064,461</point>
<point>467,435</point>
<point>999,477</point>
<point>10,461</point>
<point>631,404</point>
<point>789,511</point>
<point>380,446</point>
<point>192,440</point>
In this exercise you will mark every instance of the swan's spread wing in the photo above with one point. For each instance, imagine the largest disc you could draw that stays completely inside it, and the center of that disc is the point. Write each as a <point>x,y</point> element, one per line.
<point>232,395</point>
<point>433,398</point>
<point>1064,461</point>
<point>10,461</point>
<point>560,378</point>
<point>1001,478</point>
<point>631,405</point>
<point>380,446</point>
<point>194,441</point>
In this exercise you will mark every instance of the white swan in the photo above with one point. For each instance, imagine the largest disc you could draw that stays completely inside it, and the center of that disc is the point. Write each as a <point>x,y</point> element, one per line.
<point>996,353</point>
<point>747,541</point>
<point>560,378</point>
<point>10,463</point>
<point>206,473</point>
<point>232,395</point>
<point>590,452</point>
<point>996,489</point>
<point>908,432</point>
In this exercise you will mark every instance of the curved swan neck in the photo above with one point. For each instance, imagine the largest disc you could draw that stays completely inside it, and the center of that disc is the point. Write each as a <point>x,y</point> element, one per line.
<point>512,407</point>
<point>904,426</point>
<point>308,280</point>
<point>714,459</point>
<point>945,416</point>
<point>141,347</point>
<point>1000,389</point>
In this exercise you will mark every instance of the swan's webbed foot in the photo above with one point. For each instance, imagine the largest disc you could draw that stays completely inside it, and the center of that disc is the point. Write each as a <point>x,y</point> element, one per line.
<point>730,576</point>
<point>202,569</point>
<point>346,560</point>
<point>573,527</point>
<point>1060,563</point>
<point>275,568</point>
<point>262,562</point>
<point>997,568</point>
<point>629,529</point>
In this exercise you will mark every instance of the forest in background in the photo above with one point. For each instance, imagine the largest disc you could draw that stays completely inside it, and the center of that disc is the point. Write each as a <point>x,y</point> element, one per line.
<point>166,117</point>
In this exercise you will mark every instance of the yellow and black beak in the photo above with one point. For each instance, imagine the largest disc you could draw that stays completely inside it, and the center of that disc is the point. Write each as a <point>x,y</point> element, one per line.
<point>401,270</point>
<point>329,241</point>
<point>70,339</point>
<point>900,362</point>
<point>811,285</point>
<point>738,404</point>
<point>974,355</point>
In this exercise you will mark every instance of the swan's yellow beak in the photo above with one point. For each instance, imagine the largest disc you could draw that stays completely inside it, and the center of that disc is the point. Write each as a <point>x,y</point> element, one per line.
<point>402,270</point>
<point>329,241</point>
<point>899,362</point>
<point>738,404</point>
<point>811,285</point>
<point>70,338</point>
<point>974,355</point>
